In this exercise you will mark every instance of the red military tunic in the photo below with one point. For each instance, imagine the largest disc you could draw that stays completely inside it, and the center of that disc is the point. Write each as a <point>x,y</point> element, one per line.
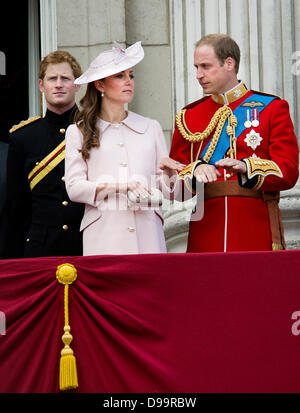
<point>235,223</point>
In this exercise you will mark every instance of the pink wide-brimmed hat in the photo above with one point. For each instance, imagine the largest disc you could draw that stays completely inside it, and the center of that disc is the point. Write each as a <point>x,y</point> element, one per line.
<point>112,61</point>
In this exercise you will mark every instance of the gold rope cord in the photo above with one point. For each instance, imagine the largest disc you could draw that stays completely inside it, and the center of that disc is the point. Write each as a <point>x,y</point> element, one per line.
<point>217,122</point>
<point>66,274</point>
<point>198,152</point>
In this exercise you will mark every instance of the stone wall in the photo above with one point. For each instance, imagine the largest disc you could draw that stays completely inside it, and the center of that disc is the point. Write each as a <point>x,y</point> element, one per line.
<point>268,33</point>
<point>90,26</point>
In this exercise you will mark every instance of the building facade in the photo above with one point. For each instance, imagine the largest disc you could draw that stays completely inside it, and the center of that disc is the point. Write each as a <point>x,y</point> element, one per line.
<point>268,33</point>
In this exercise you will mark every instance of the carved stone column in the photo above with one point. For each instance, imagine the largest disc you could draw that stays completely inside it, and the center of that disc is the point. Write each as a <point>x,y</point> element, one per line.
<point>268,34</point>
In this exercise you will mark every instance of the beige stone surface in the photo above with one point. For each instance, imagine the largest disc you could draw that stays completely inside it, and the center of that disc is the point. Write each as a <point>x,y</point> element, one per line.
<point>148,21</point>
<point>90,22</point>
<point>153,86</point>
<point>72,22</point>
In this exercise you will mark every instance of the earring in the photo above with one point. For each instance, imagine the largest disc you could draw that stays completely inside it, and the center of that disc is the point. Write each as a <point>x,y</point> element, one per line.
<point>102,94</point>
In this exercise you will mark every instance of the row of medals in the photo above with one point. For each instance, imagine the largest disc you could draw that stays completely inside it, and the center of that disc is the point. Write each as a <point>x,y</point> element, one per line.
<point>252,118</point>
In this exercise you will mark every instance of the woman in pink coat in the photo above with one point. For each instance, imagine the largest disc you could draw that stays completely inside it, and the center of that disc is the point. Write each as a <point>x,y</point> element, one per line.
<point>112,161</point>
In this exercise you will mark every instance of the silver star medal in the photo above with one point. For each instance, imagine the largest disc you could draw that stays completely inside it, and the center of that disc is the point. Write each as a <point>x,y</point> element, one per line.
<point>253,139</point>
<point>237,93</point>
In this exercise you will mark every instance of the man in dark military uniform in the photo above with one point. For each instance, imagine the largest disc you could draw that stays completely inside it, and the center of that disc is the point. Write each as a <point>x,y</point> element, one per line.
<point>42,219</point>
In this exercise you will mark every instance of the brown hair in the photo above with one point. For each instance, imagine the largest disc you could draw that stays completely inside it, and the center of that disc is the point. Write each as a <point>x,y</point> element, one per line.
<point>59,56</point>
<point>224,46</point>
<point>86,119</point>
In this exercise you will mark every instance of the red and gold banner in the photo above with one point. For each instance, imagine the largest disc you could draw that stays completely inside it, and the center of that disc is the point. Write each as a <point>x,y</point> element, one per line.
<point>153,323</point>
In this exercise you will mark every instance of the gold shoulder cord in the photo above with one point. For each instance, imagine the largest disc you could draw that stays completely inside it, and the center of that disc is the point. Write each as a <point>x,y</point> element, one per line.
<point>217,122</point>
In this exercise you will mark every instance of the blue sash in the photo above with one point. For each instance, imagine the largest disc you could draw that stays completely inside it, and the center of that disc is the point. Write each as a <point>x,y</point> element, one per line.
<point>224,140</point>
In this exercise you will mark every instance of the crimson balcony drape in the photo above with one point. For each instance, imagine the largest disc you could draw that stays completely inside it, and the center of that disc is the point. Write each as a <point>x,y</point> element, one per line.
<point>155,323</point>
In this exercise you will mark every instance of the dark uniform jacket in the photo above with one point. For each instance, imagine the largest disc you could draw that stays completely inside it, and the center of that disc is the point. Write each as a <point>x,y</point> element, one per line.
<point>3,220</point>
<point>42,221</point>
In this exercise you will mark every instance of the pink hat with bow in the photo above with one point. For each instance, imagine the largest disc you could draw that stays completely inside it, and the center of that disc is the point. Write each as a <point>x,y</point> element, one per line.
<point>112,61</point>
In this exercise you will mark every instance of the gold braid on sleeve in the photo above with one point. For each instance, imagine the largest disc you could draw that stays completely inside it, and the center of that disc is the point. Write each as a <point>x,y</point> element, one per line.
<point>216,123</point>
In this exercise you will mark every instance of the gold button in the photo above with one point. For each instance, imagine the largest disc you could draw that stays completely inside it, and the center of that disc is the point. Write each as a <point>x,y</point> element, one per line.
<point>123,164</point>
<point>65,227</point>
<point>65,203</point>
<point>28,239</point>
<point>228,176</point>
<point>63,179</point>
<point>37,163</point>
<point>62,130</point>
<point>131,229</point>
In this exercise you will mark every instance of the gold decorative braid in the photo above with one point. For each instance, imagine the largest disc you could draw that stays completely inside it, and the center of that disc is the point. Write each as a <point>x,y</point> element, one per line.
<point>216,123</point>
<point>24,123</point>
<point>263,167</point>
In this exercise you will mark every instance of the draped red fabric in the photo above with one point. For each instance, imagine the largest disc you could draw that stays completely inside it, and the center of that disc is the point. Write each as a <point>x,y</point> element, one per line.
<point>224,322</point>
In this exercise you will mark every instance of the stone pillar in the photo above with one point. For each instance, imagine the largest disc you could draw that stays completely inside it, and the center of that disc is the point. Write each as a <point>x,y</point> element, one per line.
<point>268,33</point>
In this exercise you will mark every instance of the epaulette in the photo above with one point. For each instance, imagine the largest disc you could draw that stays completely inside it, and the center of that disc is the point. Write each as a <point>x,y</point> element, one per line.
<point>191,105</point>
<point>266,94</point>
<point>24,123</point>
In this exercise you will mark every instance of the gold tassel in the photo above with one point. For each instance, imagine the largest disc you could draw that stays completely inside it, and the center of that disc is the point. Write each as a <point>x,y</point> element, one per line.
<point>66,274</point>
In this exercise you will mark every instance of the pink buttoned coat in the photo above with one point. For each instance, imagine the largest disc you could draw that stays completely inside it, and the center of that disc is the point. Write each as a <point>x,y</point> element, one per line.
<point>131,150</point>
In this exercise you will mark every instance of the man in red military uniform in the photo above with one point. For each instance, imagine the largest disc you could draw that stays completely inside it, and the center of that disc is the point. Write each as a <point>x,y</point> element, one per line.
<point>241,145</point>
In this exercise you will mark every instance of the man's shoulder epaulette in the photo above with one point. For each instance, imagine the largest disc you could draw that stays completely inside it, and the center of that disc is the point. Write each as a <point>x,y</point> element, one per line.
<point>24,123</point>
<point>193,104</point>
<point>257,92</point>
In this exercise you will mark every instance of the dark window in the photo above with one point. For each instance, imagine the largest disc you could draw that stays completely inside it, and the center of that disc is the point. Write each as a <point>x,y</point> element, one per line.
<point>14,84</point>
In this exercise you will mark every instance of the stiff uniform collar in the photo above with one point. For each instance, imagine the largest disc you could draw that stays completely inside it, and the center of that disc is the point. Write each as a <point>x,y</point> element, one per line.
<point>133,121</point>
<point>60,120</point>
<point>231,95</point>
